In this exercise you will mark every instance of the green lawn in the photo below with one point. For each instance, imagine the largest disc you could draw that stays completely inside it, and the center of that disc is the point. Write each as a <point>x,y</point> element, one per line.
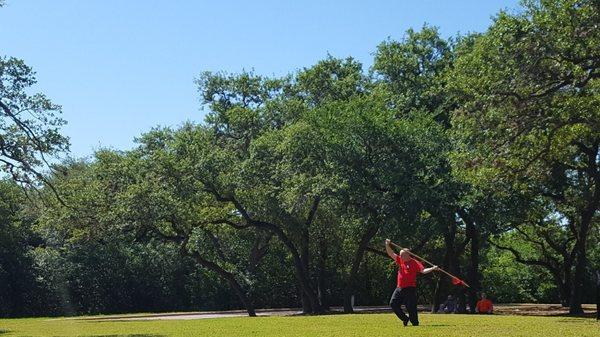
<point>364,325</point>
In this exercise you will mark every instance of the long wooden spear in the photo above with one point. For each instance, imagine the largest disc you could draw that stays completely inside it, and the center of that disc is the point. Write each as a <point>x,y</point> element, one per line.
<point>455,280</point>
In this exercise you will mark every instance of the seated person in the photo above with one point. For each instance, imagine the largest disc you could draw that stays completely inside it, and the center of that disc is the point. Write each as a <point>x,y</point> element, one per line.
<point>449,306</point>
<point>484,305</point>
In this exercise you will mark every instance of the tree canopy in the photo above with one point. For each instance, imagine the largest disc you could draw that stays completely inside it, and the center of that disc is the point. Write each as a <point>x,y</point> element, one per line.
<point>479,152</point>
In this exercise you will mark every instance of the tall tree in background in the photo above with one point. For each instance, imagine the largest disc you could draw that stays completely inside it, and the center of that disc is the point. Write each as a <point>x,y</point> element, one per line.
<point>274,187</point>
<point>245,111</point>
<point>161,201</point>
<point>29,137</point>
<point>530,119</point>
<point>22,293</point>
<point>411,73</point>
<point>29,125</point>
<point>382,169</point>
<point>90,258</point>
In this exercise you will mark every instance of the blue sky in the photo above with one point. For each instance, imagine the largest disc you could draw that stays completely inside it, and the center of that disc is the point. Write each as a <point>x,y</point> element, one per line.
<point>120,67</point>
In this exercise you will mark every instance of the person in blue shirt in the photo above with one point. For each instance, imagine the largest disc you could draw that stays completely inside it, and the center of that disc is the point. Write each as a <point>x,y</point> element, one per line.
<point>449,306</point>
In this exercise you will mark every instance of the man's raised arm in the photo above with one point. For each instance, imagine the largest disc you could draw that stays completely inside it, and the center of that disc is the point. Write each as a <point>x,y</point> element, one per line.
<point>389,250</point>
<point>429,270</point>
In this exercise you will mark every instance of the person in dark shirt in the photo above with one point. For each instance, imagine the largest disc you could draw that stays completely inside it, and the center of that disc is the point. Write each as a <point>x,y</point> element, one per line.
<point>449,306</point>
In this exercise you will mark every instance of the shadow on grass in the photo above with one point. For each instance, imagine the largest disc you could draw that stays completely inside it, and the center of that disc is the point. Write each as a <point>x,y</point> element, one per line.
<point>438,325</point>
<point>3,331</point>
<point>128,335</point>
<point>577,319</point>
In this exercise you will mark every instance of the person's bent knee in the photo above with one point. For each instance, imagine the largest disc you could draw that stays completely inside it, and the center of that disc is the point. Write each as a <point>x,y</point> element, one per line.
<point>395,304</point>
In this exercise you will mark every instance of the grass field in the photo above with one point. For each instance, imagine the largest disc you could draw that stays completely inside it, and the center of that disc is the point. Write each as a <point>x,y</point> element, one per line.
<point>364,325</point>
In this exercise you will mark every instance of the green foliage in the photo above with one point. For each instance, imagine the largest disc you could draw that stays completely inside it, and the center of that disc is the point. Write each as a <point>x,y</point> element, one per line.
<point>92,262</point>
<point>509,281</point>
<point>22,294</point>
<point>29,124</point>
<point>528,125</point>
<point>410,72</point>
<point>331,80</point>
<point>481,152</point>
<point>530,93</point>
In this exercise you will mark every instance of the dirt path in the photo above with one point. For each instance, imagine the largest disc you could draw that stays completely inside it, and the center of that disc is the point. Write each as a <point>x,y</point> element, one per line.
<point>540,309</point>
<point>502,309</point>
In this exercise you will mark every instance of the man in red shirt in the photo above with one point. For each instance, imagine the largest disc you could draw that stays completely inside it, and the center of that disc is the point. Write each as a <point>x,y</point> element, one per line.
<point>406,287</point>
<point>484,305</point>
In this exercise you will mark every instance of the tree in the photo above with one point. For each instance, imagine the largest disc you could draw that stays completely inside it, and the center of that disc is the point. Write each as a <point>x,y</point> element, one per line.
<point>22,293</point>
<point>529,117</point>
<point>243,109</point>
<point>90,257</point>
<point>380,170</point>
<point>248,115</point>
<point>161,201</point>
<point>29,125</point>
<point>411,73</point>
<point>508,282</point>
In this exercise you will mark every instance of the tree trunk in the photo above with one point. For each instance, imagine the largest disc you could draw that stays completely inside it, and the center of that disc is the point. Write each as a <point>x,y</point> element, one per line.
<point>305,259</point>
<point>436,296</point>
<point>461,300</point>
<point>575,307</point>
<point>372,229</point>
<point>564,281</point>
<point>587,216</point>
<point>322,276</point>
<point>473,276</point>
<point>310,299</point>
<point>565,293</point>
<point>242,296</point>
<point>348,299</point>
<point>235,285</point>
<point>598,294</point>
<point>448,263</point>
<point>308,294</point>
<point>305,302</point>
<point>302,274</point>
<point>581,251</point>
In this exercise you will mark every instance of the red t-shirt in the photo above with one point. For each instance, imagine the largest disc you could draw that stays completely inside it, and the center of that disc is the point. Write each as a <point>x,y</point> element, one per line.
<point>407,272</point>
<point>484,306</point>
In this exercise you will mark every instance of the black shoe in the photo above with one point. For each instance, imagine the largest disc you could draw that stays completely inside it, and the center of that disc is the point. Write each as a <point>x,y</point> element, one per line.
<point>405,322</point>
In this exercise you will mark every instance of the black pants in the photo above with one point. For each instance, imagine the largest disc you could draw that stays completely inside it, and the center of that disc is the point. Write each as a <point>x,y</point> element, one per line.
<point>408,297</point>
